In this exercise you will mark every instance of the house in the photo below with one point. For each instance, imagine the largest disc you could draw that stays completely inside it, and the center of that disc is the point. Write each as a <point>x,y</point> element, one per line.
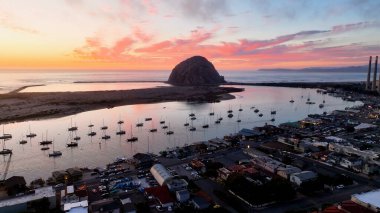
<point>286,171</point>
<point>161,194</point>
<point>182,196</point>
<point>74,174</point>
<point>350,162</point>
<point>106,206</point>
<point>370,168</point>
<point>143,160</point>
<point>223,173</point>
<point>15,185</point>
<point>199,203</point>
<point>368,200</point>
<point>302,177</point>
<point>23,202</point>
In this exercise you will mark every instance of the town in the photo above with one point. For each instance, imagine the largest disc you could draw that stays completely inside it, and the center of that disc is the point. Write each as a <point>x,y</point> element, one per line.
<point>323,163</point>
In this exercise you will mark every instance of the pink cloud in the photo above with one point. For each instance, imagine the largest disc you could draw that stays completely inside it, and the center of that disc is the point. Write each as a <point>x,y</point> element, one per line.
<point>285,51</point>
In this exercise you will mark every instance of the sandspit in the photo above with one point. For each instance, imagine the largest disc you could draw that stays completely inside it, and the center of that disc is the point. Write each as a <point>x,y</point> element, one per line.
<point>28,106</point>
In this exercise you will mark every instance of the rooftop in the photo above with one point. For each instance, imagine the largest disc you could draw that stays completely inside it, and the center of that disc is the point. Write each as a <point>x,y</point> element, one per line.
<point>372,198</point>
<point>39,193</point>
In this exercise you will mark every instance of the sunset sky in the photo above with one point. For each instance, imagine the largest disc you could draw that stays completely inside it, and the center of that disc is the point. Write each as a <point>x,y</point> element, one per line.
<point>157,34</point>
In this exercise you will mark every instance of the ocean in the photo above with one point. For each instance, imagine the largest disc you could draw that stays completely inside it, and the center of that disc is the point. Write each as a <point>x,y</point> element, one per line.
<point>12,80</point>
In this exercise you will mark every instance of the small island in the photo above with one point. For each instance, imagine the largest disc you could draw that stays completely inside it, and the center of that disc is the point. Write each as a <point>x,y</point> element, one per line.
<point>196,70</point>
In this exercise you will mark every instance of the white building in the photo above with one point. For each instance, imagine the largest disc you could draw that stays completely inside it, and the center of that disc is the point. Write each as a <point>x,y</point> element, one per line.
<point>19,204</point>
<point>370,200</point>
<point>302,177</point>
<point>285,172</point>
<point>160,173</point>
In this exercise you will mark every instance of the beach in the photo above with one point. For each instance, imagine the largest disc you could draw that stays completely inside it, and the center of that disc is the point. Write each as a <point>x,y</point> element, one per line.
<point>29,106</point>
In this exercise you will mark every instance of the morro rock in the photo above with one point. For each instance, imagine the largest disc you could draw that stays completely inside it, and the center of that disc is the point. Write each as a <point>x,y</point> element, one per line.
<point>196,70</point>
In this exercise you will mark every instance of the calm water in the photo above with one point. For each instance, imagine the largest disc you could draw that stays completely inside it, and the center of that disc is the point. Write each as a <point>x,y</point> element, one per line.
<point>13,80</point>
<point>29,161</point>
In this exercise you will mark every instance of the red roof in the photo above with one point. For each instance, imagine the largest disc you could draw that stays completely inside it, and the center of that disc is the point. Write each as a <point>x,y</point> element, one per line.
<point>332,209</point>
<point>161,193</point>
<point>353,207</point>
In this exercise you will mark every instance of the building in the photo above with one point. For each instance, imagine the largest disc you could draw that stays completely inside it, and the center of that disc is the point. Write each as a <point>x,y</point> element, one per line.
<point>161,194</point>
<point>163,177</point>
<point>199,203</point>
<point>302,177</point>
<point>286,171</point>
<point>267,163</point>
<point>223,173</point>
<point>160,173</point>
<point>20,203</point>
<point>368,200</point>
<point>77,207</point>
<point>106,206</point>
<point>176,184</point>
<point>15,185</point>
<point>182,196</point>
<point>143,160</point>
<point>350,162</point>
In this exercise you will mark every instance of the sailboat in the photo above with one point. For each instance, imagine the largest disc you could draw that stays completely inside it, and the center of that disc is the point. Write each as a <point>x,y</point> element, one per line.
<point>229,109</point>
<point>240,109</point>
<point>5,136</point>
<point>72,128</point>
<point>273,112</point>
<point>212,113</point>
<point>162,121</point>
<point>186,123</point>
<point>170,132</point>
<point>46,141</point>
<point>55,153</point>
<point>104,127</point>
<point>76,138</point>
<point>153,129</point>
<point>291,100</point>
<point>91,133</point>
<point>132,138</point>
<point>5,151</point>
<point>218,120</point>
<point>139,124</point>
<point>238,120</point>
<point>120,132</point>
<point>205,125</point>
<point>23,141</point>
<point>192,128</point>
<point>31,135</point>
<point>72,143</point>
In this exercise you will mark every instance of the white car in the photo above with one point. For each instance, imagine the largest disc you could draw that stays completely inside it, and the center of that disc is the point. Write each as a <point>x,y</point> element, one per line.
<point>340,186</point>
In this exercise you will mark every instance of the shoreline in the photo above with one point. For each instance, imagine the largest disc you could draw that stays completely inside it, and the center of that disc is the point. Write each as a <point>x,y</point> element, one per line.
<point>43,105</point>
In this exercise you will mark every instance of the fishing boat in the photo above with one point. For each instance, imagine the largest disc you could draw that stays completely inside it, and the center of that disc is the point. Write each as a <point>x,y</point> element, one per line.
<point>230,115</point>
<point>273,112</point>
<point>132,138</point>
<point>191,114</point>
<point>261,115</point>
<point>217,122</point>
<point>256,110</point>
<point>193,118</point>
<point>192,129</point>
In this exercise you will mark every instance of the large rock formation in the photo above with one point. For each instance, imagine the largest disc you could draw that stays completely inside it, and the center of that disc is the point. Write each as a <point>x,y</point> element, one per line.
<point>196,70</point>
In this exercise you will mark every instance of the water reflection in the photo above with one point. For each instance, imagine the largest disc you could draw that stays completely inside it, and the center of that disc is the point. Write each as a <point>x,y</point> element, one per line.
<point>29,161</point>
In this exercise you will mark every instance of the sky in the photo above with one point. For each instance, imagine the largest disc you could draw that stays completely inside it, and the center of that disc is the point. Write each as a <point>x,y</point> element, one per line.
<point>158,34</point>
